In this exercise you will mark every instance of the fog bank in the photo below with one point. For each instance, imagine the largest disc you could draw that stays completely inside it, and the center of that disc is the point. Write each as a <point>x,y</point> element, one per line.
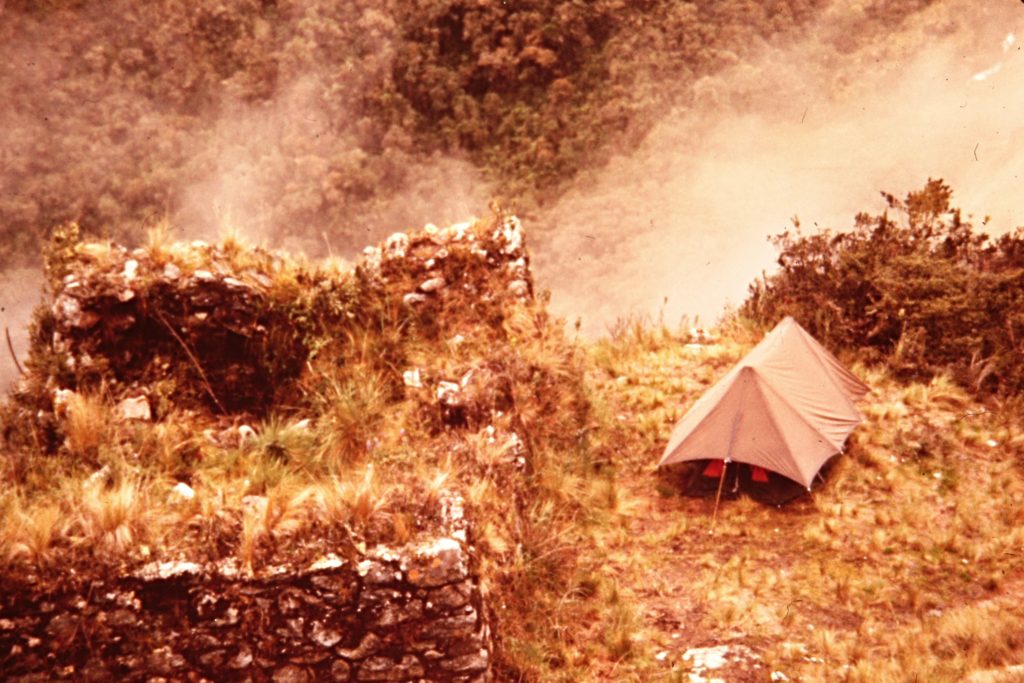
<point>803,130</point>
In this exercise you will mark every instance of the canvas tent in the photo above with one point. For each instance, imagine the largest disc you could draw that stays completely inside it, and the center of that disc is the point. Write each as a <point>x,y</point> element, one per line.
<point>786,408</point>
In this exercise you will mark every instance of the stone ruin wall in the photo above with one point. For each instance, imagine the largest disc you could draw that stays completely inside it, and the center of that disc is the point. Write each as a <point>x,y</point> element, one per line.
<point>409,614</point>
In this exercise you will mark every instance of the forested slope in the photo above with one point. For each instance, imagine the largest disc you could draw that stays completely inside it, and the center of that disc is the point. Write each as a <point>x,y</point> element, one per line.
<point>321,119</point>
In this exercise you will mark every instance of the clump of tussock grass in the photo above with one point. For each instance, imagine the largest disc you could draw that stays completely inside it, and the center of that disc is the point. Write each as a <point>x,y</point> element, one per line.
<point>173,446</point>
<point>29,532</point>
<point>358,500</point>
<point>157,243</point>
<point>269,519</point>
<point>621,624</point>
<point>350,410</point>
<point>110,517</point>
<point>86,425</point>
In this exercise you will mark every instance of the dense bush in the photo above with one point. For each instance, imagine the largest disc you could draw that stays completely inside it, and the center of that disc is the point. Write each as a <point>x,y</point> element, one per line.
<point>915,285</point>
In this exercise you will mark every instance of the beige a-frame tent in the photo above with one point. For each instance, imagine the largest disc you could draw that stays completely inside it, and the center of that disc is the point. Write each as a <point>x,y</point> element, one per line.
<point>787,407</point>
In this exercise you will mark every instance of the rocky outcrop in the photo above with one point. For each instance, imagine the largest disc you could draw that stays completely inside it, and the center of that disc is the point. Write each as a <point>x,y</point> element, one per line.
<point>412,613</point>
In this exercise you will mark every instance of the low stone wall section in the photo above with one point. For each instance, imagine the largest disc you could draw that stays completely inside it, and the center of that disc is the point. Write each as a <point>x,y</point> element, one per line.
<point>408,614</point>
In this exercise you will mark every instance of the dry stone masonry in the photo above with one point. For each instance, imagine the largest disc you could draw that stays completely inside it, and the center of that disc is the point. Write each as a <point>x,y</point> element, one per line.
<point>216,326</point>
<point>207,329</point>
<point>408,614</point>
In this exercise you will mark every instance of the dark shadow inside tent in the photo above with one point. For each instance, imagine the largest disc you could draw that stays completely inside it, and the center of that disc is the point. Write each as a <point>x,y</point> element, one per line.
<point>701,478</point>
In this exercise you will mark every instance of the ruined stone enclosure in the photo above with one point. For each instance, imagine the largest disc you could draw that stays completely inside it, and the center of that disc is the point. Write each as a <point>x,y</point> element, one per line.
<point>211,346</point>
<point>229,327</point>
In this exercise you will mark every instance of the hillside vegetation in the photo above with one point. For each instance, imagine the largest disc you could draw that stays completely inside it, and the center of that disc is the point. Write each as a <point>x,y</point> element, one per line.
<point>328,120</point>
<point>917,287</point>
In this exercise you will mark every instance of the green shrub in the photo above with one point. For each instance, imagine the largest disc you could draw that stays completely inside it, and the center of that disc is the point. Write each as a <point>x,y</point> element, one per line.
<point>915,286</point>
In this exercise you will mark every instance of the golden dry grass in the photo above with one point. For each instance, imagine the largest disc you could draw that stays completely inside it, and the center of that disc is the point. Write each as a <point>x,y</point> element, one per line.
<point>905,566</point>
<point>87,425</point>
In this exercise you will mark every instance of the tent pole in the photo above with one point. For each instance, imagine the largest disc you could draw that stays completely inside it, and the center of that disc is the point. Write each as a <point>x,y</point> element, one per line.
<point>745,374</point>
<point>718,497</point>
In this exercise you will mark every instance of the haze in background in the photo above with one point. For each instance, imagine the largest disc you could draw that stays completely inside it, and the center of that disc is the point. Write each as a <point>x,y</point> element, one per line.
<point>275,169</point>
<point>254,151</point>
<point>20,293</point>
<point>810,130</point>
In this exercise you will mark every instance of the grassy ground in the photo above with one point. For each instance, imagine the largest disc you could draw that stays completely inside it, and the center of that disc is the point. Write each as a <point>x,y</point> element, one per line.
<point>904,566</point>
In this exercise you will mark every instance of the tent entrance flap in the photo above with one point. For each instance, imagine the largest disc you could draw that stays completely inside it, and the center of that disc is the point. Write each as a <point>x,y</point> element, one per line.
<point>700,479</point>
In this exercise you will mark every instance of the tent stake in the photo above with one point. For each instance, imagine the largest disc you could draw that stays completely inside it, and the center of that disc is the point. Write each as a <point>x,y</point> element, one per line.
<point>718,497</point>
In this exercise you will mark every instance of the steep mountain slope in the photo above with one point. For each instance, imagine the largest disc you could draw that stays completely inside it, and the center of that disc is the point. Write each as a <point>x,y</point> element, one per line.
<point>301,119</point>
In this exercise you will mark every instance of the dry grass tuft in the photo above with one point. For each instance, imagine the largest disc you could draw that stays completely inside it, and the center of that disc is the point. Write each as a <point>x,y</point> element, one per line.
<point>351,408</point>
<point>267,520</point>
<point>357,500</point>
<point>86,426</point>
<point>158,242</point>
<point>111,518</point>
<point>29,534</point>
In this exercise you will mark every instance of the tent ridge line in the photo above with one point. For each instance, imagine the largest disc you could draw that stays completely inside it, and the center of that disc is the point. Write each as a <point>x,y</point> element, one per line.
<point>766,387</point>
<point>767,393</point>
